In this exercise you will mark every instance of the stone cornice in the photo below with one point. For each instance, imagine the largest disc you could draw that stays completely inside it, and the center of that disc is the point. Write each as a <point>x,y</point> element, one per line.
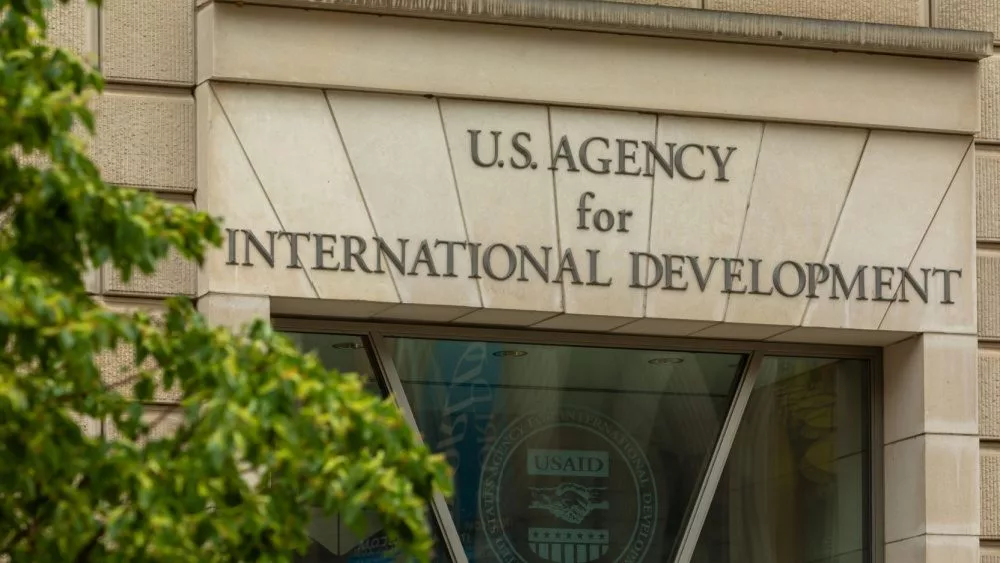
<point>682,23</point>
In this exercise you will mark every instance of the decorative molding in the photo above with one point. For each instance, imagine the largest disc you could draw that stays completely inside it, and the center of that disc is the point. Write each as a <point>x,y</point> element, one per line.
<point>680,23</point>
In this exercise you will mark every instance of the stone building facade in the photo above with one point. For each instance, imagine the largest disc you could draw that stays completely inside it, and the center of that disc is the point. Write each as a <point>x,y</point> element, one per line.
<point>846,134</point>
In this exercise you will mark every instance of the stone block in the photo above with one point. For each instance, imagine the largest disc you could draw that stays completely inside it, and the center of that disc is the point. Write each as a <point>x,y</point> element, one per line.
<point>234,311</point>
<point>949,242</point>
<point>990,494</point>
<point>975,15</point>
<point>675,3</point>
<point>989,93</point>
<point>146,140</point>
<point>173,276</point>
<point>987,195</point>
<point>931,386</point>
<point>92,280</point>
<point>931,486</point>
<point>278,45</point>
<point>148,41</point>
<point>989,394</point>
<point>72,25</point>
<point>408,185</point>
<point>934,549</point>
<point>118,368</point>
<point>498,201</point>
<point>91,427</point>
<point>899,12</point>
<point>988,292</point>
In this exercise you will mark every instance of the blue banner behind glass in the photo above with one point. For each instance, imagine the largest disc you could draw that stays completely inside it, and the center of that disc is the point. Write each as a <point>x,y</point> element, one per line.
<point>457,421</point>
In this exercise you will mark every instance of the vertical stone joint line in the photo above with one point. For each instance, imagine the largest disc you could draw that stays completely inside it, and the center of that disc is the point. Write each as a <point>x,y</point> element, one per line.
<point>840,214</point>
<point>98,34</point>
<point>746,209</point>
<point>256,176</point>
<point>458,193</point>
<point>652,199</point>
<point>357,182</point>
<point>555,210</point>
<point>913,258</point>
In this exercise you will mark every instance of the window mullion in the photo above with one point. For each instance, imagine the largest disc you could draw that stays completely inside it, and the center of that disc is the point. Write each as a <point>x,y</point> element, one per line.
<point>717,463</point>
<point>385,368</point>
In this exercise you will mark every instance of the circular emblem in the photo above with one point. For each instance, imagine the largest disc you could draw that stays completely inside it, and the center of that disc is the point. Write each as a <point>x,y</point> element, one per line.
<point>568,486</point>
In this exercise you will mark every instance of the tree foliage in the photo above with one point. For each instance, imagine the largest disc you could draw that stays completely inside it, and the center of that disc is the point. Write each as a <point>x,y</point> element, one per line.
<point>262,433</point>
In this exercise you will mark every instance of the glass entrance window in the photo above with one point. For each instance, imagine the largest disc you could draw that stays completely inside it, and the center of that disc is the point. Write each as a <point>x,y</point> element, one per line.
<point>574,454</point>
<point>568,454</point>
<point>793,490</point>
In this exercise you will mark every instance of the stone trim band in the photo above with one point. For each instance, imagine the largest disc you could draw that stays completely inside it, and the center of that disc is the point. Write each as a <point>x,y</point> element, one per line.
<point>678,23</point>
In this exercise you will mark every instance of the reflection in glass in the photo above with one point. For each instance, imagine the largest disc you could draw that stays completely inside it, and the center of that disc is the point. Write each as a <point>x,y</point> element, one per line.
<point>568,454</point>
<point>793,487</point>
<point>344,353</point>
<point>333,542</point>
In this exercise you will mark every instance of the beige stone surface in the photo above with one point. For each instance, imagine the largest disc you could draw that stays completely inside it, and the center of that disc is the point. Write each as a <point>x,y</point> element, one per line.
<point>92,280</point>
<point>589,293</point>
<point>306,307</point>
<point>989,91</point>
<point>987,194</point>
<point>146,140</point>
<point>700,218</point>
<point>676,3</point>
<point>664,327</point>
<point>291,141</point>
<point>164,422</point>
<point>173,275</point>
<point>953,504</point>
<point>948,243</point>
<point>934,549</point>
<point>504,317</point>
<point>91,427</point>
<point>230,188</point>
<point>989,393</point>
<point>148,41</point>
<point>260,44</point>
<point>234,311</point>
<point>876,227</point>
<point>976,15</point>
<point>932,486</point>
<point>988,286</point>
<point>817,165</point>
<point>399,155</point>
<point>905,489</point>
<point>427,313</point>
<point>276,159</point>
<point>118,367</point>
<point>509,205</point>
<point>991,493</point>
<point>594,323</point>
<point>930,386</point>
<point>72,25</point>
<point>741,331</point>
<point>841,337</point>
<point>900,12</point>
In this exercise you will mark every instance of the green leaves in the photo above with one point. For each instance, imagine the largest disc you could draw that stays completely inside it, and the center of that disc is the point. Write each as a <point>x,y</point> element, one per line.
<point>261,435</point>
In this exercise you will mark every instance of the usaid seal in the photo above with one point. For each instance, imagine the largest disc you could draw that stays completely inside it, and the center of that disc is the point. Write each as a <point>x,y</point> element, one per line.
<point>568,486</point>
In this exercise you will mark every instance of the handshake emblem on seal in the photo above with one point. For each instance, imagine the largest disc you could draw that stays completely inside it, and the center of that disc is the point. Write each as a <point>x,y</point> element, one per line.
<point>569,502</point>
